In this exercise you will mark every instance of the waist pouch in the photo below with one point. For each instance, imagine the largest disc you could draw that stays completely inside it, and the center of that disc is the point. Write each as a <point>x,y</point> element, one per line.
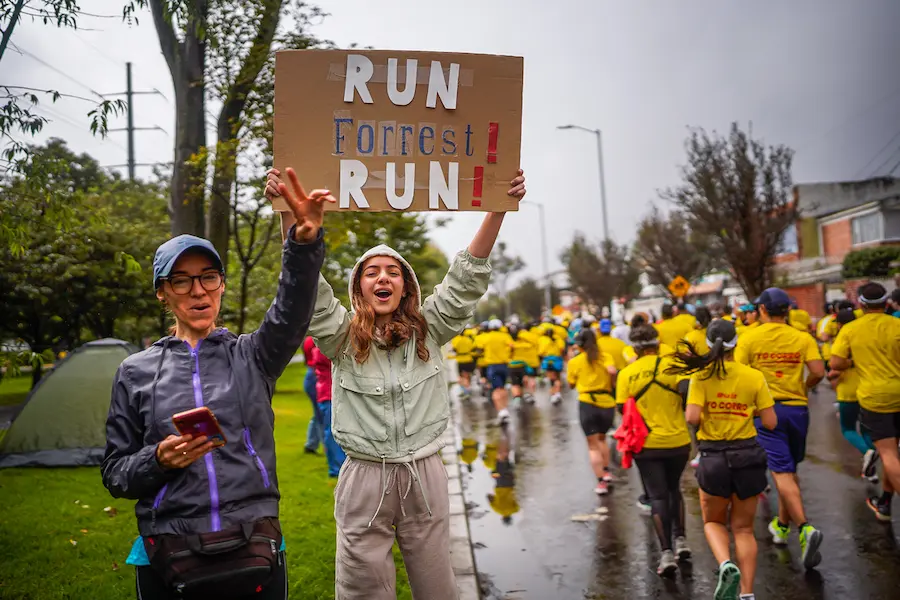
<point>739,454</point>
<point>231,563</point>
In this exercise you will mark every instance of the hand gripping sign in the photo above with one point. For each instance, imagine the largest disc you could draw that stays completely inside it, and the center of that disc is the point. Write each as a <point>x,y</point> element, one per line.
<point>402,131</point>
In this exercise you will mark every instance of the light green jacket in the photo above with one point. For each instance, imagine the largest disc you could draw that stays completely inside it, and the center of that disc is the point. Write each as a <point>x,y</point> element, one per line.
<point>394,407</point>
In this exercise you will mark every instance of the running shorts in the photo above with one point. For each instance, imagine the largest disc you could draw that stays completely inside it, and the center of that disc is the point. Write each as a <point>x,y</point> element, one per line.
<point>733,467</point>
<point>516,375</point>
<point>595,419</point>
<point>497,375</point>
<point>468,367</point>
<point>530,371</point>
<point>552,363</point>
<point>786,444</point>
<point>879,426</point>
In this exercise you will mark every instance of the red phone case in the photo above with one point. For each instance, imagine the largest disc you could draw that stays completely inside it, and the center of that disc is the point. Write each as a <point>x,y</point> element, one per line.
<point>197,422</point>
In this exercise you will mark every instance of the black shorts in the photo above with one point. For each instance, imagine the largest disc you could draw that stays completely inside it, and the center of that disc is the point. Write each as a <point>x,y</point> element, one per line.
<point>595,419</point>
<point>468,367</point>
<point>516,375</point>
<point>879,426</point>
<point>732,468</point>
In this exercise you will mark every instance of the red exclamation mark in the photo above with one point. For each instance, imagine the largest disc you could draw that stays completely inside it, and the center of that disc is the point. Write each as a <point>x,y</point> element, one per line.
<point>493,133</point>
<point>477,185</point>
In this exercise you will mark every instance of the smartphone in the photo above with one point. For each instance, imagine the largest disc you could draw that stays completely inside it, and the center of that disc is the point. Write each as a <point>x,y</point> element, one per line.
<point>197,422</point>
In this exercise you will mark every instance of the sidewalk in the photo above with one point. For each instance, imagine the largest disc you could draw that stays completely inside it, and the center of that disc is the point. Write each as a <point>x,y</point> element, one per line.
<point>460,539</point>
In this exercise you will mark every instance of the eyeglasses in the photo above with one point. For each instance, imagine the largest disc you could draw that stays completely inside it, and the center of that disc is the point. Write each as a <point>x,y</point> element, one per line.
<point>183,284</point>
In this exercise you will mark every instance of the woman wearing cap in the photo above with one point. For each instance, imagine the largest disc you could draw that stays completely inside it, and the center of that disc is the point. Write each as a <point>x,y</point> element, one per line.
<point>391,408</point>
<point>192,497</point>
<point>723,398</point>
<point>668,445</point>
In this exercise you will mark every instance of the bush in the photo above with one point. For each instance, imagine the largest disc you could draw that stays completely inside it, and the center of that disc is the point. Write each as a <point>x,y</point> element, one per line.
<point>870,262</point>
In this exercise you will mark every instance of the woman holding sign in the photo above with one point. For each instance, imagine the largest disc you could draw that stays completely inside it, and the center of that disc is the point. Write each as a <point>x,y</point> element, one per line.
<point>391,407</point>
<point>189,433</point>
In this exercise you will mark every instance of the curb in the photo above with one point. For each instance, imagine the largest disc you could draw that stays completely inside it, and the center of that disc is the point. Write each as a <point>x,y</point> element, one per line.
<point>461,556</point>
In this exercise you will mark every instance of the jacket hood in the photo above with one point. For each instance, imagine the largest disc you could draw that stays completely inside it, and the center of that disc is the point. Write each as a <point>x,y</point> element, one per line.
<point>383,250</point>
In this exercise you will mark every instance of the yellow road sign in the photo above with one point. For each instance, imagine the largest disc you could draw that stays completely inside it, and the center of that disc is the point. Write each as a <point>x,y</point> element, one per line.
<point>679,286</point>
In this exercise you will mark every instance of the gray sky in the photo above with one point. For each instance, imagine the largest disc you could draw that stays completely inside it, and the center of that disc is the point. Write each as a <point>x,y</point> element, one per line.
<point>821,76</point>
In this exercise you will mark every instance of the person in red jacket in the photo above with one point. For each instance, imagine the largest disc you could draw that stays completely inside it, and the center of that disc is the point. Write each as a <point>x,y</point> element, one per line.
<point>333,452</point>
<point>315,433</point>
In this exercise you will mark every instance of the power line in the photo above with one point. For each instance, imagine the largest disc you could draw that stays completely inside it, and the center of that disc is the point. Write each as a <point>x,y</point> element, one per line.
<point>885,163</point>
<point>60,72</point>
<point>877,154</point>
<point>117,63</point>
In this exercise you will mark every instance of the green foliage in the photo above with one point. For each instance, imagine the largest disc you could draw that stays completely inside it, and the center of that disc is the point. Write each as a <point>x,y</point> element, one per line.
<point>667,247</point>
<point>600,274</point>
<point>527,299</point>
<point>871,262</point>
<point>42,511</point>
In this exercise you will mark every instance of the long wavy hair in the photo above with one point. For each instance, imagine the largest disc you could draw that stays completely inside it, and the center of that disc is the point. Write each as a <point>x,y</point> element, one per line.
<point>588,342</point>
<point>722,334</point>
<point>406,322</point>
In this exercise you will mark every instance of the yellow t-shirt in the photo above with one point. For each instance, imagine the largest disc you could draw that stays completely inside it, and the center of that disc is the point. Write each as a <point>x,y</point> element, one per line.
<point>533,359</point>
<point>586,377</point>
<point>615,348</point>
<point>497,348</point>
<point>697,339</point>
<point>686,320</point>
<point>671,331</point>
<point>504,501</point>
<point>463,346</point>
<point>524,352</point>
<point>489,458</point>
<point>549,346</point>
<point>848,385</point>
<point>729,405</point>
<point>631,356</point>
<point>873,342</point>
<point>800,319</point>
<point>661,408</point>
<point>479,345</point>
<point>822,327</point>
<point>561,333</point>
<point>469,451</point>
<point>781,353</point>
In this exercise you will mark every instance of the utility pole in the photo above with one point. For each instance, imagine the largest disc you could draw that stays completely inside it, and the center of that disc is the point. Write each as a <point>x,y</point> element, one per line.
<point>599,135</point>
<point>129,94</point>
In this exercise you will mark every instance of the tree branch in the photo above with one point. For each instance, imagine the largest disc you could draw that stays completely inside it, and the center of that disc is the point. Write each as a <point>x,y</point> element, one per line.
<point>168,41</point>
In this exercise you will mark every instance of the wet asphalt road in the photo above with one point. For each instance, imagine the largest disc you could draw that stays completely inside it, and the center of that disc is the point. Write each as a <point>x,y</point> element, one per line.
<point>539,553</point>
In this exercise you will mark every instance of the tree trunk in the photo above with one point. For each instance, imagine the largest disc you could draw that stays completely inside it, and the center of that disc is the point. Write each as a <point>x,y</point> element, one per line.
<point>224,172</point>
<point>36,374</point>
<point>242,315</point>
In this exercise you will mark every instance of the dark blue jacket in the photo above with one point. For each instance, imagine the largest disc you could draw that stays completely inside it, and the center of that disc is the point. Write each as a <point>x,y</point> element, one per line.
<point>235,377</point>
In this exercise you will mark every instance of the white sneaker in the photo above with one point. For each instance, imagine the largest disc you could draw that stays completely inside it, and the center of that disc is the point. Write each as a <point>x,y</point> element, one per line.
<point>695,462</point>
<point>503,416</point>
<point>555,399</point>
<point>870,460</point>
<point>530,399</point>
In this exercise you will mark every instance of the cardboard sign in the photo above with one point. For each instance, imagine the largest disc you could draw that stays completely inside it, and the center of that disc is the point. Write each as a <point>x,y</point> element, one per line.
<point>403,131</point>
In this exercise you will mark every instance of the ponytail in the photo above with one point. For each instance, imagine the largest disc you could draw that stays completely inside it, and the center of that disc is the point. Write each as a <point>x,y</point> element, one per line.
<point>690,361</point>
<point>588,342</point>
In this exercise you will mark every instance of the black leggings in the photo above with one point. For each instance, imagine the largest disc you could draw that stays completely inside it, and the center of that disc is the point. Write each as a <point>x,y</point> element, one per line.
<point>661,471</point>
<point>150,586</point>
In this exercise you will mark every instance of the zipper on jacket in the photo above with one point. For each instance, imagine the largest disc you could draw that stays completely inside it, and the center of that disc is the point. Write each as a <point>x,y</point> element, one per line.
<point>156,502</point>
<point>394,403</point>
<point>259,463</point>
<point>215,520</point>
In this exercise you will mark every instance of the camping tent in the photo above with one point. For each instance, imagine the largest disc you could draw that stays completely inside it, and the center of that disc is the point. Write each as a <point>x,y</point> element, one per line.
<point>63,420</point>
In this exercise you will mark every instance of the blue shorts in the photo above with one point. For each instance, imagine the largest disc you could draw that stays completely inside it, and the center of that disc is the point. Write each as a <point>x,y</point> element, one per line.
<point>529,371</point>
<point>785,445</point>
<point>497,375</point>
<point>552,363</point>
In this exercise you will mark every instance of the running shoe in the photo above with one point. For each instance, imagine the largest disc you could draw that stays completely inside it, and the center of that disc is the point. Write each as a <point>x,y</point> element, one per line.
<point>607,477</point>
<point>695,462</point>
<point>529,398</point>
<point>555,399</point>
<point>602,488</point>
<point>870,460</point>
<point>503,416</point>
<point>810,540</point>
<point>779,533</point>
<point>881,509</point>
<point>667,564</point>
<point>644,504</point>
<point>681,548</point>
<point>729,583</point>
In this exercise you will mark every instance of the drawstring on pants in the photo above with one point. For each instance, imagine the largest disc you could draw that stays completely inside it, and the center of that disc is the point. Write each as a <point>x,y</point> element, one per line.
<point>387,481</point>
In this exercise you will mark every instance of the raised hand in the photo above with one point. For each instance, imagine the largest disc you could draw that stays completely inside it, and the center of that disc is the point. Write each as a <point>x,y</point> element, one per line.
<point>517,190</point>
<point>308,210</point>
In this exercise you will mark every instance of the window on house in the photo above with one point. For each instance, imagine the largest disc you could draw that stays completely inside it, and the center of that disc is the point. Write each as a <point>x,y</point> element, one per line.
<point>866,228</point>
<point>788,243</point>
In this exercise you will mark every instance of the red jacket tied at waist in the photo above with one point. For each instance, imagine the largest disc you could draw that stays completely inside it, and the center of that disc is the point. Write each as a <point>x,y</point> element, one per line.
<point>632,433</point>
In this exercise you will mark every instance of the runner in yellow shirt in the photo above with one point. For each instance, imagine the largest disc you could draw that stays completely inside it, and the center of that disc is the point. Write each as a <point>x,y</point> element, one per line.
<point>551,351</point>
<point>592,373</point>
<point>695,343</point>
<point>723,398</point>
<point>781,353</point>
<point>497,353</point>
<point>463,347</point>
<point>871,343</point>
<point>667,448</point>
<point>673,329</point>
<point>610,345</point>
<point>524,352</point>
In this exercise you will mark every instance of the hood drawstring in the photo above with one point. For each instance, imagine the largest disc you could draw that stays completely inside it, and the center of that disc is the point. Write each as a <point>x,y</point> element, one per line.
<point>389,478</point>
<point>159,365</point>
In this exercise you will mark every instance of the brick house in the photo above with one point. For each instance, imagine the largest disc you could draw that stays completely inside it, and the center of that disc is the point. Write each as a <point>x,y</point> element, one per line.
<point>835,219</point>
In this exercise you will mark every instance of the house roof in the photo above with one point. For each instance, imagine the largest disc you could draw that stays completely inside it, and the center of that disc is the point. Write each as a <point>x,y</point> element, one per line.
<point>823,199</point>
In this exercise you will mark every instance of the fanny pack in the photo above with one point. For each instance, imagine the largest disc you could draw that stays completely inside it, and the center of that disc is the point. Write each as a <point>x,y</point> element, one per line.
<point>231,563</point>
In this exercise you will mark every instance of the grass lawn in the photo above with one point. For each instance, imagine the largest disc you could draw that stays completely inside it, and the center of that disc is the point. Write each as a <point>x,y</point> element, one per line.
<point>43,511</point>
<point>14,389</point>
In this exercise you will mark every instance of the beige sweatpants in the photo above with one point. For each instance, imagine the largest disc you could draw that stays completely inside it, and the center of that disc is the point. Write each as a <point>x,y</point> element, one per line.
<point>364,567</point>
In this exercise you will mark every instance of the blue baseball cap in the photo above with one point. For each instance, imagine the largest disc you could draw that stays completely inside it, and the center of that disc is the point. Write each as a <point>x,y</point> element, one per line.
<point>169,252</point>
<point>605,326</point>
<point>773,299</point>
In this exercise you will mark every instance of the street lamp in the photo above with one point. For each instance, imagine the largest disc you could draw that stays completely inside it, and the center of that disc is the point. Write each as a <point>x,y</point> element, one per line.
<point>602,176</point>
<point>547,282</point>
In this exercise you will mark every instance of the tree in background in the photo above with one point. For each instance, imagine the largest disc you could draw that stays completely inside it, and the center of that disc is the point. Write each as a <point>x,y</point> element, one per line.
<point>601,274</point>
<point>738,192</point>
<point>527,299</point>
<point>666,247</point>
<point>504,266</point>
